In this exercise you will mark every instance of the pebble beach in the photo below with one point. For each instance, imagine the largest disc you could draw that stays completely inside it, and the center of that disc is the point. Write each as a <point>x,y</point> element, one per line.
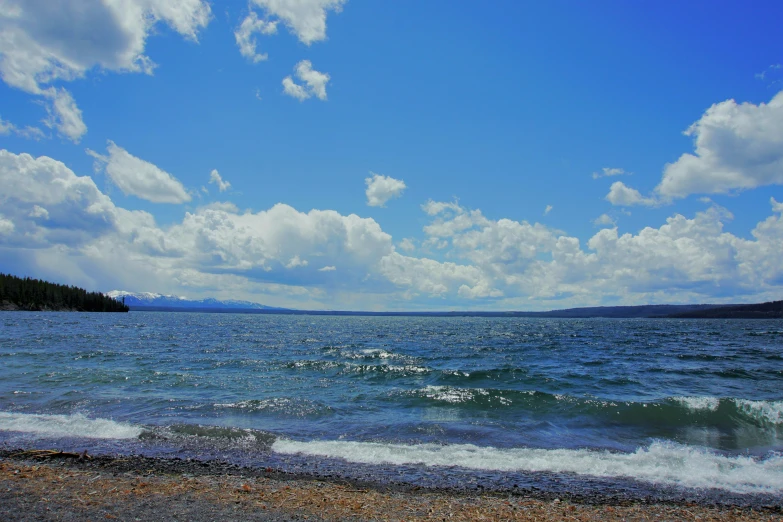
<point>141,488</point>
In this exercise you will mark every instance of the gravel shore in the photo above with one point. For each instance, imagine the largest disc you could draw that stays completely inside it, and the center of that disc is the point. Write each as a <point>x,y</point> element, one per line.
<point>139,488</point>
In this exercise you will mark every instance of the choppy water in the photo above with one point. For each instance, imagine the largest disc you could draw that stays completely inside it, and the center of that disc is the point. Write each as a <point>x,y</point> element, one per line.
<point>673,403</point>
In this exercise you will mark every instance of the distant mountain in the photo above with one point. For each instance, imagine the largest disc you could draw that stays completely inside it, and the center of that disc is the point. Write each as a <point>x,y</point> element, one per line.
<point>629,312</point>
<point>148,301</point>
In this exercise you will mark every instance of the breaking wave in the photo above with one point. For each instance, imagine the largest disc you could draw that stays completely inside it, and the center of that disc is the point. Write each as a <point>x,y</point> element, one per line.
<point>75,425</point>
<point>661,463</point>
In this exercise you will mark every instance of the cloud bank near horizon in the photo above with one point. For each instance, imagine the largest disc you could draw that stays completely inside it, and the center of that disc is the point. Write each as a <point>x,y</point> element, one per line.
<point>49,213</point>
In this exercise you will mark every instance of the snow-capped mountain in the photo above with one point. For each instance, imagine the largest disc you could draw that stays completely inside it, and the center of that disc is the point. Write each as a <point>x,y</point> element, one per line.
<point>145,299</point>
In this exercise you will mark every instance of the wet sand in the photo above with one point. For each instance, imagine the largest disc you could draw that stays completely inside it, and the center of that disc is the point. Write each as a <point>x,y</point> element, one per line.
<point>139,488</point>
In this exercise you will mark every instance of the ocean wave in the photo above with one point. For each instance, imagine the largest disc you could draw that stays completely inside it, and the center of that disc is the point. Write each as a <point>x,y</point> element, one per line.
<point>765,412</point>
<point>698,403</point>
<point>397,370</point>
<point>293,407</point>
<point>659,463</point>
<point>454,395</point>
<point>218,436</point>
<point>347,368</point>
<point>74,425</point>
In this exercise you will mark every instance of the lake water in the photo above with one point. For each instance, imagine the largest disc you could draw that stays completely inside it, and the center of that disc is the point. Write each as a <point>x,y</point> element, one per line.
<point>688,404</point>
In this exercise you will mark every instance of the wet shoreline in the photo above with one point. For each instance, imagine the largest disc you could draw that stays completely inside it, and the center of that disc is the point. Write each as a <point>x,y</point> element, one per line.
<point>548,487</point>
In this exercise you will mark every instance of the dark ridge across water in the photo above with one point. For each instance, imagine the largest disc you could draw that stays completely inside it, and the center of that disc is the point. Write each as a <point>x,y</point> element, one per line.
<point>768,310</point>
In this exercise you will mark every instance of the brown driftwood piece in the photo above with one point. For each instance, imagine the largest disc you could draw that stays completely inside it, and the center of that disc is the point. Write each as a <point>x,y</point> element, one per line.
<point>53,454</point>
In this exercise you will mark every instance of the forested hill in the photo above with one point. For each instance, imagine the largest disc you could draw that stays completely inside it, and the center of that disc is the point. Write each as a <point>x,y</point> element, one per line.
<point>770,310</point>
<point>36,295</point>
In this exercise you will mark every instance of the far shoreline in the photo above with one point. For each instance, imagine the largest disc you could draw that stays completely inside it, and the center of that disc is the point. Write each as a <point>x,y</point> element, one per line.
<point>768,310</point>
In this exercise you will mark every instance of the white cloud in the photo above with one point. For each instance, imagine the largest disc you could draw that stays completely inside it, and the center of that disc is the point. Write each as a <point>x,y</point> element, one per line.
<point>246,40</point>
<point>622,195</point>
<point>53,220</point>
<point>737,146</point>
<point>29,132</point>
<point>140,178</point>
<point>381,189</point>
<point>430,276</point>
<point>296,262</point>
<point>771,69</point>
<point>315,82</point>
<point>433,208</point>
<point>43,41</point>
<point>606,172</point>
<point>6,226</point>
<point>49,204</point>
<point>305,18</point>
<point>604,220</point>
<point>225,206</point>
<point>64,115</point>
<point>407,244</point>
<point>39,212</point>
<point>548,209</point>
<point>684,260</point>
<point>214,177</point>
<point>294,90</point>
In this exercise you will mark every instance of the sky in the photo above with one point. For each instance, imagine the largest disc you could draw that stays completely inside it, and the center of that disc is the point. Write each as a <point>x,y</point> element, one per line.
<point>406,155</point>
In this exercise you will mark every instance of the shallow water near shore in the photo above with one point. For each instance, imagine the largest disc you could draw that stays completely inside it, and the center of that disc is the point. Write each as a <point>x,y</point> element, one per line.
<point>674,407</point>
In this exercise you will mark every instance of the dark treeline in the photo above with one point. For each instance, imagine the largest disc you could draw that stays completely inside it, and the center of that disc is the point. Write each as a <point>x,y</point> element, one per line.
<point>17,293</point>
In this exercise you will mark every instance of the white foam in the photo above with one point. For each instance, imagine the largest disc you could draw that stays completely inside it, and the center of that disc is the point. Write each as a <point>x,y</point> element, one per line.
<point>76,425</point>
<point>455,395</point>
<point>660,463</point>
<point>766,411</point>
<point>699,403</point>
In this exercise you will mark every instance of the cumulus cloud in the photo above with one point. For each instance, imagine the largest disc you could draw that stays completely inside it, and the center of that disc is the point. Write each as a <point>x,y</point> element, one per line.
<point>294,90</point>
<point>434,278</point>
<point>607,172</point>
<point>296,262</point>
<point>433,208</point>
<point>48,204</point>
<point>6,226</point>
<point>548,209</point>
<point>56,220</point>
<point>42,42</point>
<point>245,36</point>
<point>381,189</point>
<point>264,247</point>
<point>216,178</point>
<point>604,220</point>
<point>622,195</point>
<point>407,245</point>
<point>685,259</point>
<point>139,178</point>
<point>305,18</point>
<point>315,82</point>
<point>738,146</point>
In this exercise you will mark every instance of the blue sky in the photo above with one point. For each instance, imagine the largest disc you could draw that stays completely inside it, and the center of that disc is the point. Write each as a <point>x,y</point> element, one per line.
<point>395,155</point>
